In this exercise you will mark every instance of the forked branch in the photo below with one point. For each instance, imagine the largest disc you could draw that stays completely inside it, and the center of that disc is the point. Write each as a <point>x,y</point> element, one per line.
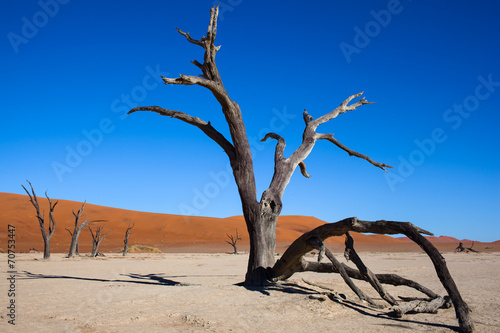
<point>284,171</point>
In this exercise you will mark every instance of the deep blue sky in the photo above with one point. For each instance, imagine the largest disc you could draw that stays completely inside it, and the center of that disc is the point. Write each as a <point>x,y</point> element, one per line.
<point>70,72</point>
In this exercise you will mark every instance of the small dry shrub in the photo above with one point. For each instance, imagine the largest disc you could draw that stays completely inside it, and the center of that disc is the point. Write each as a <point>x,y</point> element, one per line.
<point>143,249</point>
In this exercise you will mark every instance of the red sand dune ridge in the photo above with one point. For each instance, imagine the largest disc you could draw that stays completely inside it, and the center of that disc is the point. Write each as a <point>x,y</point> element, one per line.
<point>170,233</point>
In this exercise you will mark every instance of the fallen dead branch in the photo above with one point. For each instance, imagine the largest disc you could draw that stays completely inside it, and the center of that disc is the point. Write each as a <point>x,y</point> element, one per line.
<point>293,261</point>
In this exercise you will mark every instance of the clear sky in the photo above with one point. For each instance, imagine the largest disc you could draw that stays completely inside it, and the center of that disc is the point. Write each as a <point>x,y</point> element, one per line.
<point>71,69</point>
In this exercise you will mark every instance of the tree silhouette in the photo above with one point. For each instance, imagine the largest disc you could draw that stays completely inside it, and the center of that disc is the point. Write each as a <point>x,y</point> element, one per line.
<point>97,239</point>
<point>125,241</point>
<point>73,248</point>
<point>41,220</point>
<point>233,240</point>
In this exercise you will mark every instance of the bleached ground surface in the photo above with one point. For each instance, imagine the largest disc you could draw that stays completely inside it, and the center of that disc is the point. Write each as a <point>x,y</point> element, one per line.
<point>197,293</point>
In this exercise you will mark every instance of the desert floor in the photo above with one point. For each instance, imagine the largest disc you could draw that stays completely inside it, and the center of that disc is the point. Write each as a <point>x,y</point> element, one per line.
<point>175,292</point>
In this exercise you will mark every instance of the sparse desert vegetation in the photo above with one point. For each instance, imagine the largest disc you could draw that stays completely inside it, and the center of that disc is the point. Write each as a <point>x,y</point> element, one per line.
<point>143,249</point>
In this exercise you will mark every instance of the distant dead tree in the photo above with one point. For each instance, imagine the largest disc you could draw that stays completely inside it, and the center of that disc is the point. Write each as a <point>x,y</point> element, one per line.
<point>97,239</point>
<point>41,219</point>
<point>125,241</point>
<point>73,248</point>
<point>233,240</point>
<point>461,248</point>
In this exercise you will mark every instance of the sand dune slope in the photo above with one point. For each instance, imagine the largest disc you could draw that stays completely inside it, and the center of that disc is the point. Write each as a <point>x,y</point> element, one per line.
<point>170,233</point>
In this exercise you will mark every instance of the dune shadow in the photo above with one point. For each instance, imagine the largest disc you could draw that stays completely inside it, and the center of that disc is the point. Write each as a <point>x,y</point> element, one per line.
<point>150,279</point>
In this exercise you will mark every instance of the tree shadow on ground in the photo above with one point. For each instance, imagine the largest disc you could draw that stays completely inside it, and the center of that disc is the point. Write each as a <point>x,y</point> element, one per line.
<point>151,279</point>
<point>289,288</point>
<point>292,288</point>
<point>367,311</point>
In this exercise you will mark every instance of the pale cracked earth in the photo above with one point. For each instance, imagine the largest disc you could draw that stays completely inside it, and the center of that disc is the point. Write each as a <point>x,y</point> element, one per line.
<point>198,293</point>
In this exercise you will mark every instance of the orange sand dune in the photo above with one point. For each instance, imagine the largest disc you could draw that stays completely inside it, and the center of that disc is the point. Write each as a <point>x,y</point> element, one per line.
<point>170,233</point>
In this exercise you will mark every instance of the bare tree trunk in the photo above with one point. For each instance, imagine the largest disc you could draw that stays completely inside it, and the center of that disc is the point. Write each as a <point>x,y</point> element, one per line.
<point>46,248</point>
<point>73,247</point>
<point>41,220</point>
<point>262,233</point>
<point>125,241</point>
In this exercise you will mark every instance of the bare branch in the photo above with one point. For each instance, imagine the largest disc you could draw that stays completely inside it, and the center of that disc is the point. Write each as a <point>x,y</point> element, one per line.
<point>350,253</point>
<point>422,306</point>
<point>318,244</point>
<point>342,108</point>
<point>188,37</point>
<point>191,80</point>
<point>351,152</point>
<point>307,117</point>
<point>52,223</point>
<point>302,166</point>
<point>280,147</point>
<point>206,127</point>
<point>34,202</point>
<point>392,279</point>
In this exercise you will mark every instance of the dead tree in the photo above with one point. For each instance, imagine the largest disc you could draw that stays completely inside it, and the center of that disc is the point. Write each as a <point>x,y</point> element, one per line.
<point>461,248</point>
<point>97,239</point>
<point>41,220</point>
<point>73,248</point>
<point>233,240</point>
<point>260,215</point>
<point>125,241</point>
